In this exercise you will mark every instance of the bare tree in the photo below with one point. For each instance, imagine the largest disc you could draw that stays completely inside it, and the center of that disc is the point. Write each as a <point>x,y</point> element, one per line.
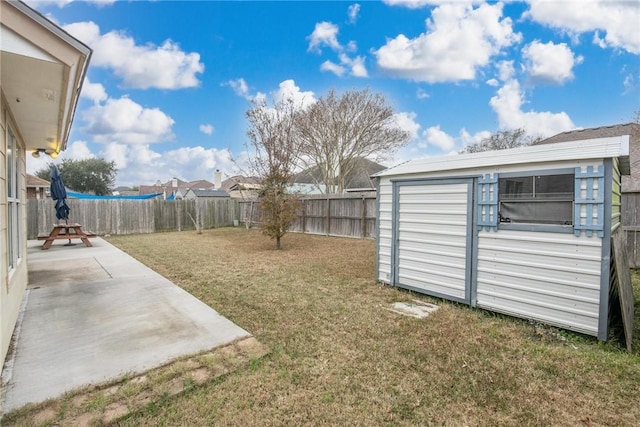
<point>276,151</point>
<point>502,140</point>
<point>338,129</point>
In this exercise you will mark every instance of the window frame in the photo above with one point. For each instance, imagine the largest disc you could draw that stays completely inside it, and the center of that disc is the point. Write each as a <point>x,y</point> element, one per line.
<point>15,206</point>
<point>533,226</point>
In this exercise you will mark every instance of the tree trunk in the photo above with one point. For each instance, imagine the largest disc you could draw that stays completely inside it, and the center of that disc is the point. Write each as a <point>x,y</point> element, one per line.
<point>278,247</point>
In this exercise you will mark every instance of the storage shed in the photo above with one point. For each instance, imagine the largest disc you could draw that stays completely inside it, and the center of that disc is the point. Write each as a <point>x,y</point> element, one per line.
<point>525,231</point>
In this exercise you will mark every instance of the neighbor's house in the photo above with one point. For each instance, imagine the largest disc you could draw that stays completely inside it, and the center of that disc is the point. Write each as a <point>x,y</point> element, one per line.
<point>175,189</point>
<point>242,187</point>
<point>37,188</point>
<point>525,231</point>
<point>41,73</point>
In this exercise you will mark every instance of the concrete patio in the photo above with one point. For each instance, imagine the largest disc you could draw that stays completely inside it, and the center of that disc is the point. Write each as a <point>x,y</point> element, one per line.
<point>93,314</point>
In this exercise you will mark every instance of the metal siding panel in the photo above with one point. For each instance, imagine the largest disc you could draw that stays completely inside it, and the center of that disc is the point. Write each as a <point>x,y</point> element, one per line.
<point>554,278</point>
<point>432,238</point>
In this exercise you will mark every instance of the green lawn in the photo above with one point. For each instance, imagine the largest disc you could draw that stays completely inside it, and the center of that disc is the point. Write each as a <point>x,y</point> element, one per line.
<point>339,357</point>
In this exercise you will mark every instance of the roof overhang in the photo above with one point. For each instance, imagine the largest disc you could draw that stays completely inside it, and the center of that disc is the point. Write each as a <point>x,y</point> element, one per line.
<point>42,69</point>
<point>599,148</point>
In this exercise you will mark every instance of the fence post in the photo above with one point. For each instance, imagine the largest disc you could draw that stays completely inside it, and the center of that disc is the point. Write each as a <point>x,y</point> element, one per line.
<point>328,215</point>
<point>304,216</point>
<point>363,220</point>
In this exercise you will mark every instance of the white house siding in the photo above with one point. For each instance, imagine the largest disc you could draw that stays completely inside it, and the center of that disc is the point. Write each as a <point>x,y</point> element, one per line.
<point>432,237</point>
<point>550,277</point>
<point>385,227</point>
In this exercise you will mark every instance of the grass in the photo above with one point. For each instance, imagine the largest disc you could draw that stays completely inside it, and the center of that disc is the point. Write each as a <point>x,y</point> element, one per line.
<point>338,357</point>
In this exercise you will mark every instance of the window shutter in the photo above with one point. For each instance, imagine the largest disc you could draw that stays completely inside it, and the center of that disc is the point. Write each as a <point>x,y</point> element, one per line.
<point>588,213</point>
<point>487,202</point>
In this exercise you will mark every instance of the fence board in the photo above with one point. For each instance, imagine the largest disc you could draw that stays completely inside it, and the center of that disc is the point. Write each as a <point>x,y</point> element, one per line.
<point>630,218</point>
<point>336,215</point>
<point>113,216</point>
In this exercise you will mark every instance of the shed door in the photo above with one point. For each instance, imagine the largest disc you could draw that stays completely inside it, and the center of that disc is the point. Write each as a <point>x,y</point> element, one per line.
<point>433,235</point>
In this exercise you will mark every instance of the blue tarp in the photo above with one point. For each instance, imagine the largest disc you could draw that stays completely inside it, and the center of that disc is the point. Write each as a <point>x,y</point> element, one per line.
<point>74,195</point>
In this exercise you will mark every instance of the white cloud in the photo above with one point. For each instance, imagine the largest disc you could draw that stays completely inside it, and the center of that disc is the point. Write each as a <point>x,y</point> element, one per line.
<point>549,62</point>
<point>332,67</point>
<point>422,94</point>
<point>416,4</point>
<point>353,11</point>
<point>93,91</point>
<point>406,121</point>
<point>77,150</point>
<point>466,138</point>
<point>505,70</point>
<point>356,65</point>
<point>287,90</point>
<point>508,106</point>
<point>436,136</point>
<point>140,66</point>
<point>352,46</point>
<point>617,19</point>
<point>459,40</point>
<point>324,34</point>
<point>492,82</point>
<point>240,87</point>
<point>207,129</point>
<point>124,121</point>
<point>63,3</point>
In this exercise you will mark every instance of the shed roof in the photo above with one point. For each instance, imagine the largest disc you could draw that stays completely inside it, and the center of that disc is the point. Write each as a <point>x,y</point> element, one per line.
<point>598,148</point>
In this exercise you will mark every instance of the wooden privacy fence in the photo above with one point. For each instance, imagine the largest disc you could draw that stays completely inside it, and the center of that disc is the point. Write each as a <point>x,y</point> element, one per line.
<point>113,216</point>
<point>630,212</point>
<point>336,215</point>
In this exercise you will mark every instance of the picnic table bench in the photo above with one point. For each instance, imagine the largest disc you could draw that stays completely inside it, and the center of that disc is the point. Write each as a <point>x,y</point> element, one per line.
<point>64,232</point>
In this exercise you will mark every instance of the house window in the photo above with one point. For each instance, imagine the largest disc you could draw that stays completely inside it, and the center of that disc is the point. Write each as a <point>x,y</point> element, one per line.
<point>14,205</point>
<point>537,199</point>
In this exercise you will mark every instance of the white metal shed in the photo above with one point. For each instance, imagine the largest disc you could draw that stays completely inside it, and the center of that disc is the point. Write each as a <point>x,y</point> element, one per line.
<point>525,231</point>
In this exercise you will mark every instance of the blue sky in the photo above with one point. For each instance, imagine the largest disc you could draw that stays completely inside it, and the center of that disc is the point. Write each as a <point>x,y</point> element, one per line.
<point>170,81</point>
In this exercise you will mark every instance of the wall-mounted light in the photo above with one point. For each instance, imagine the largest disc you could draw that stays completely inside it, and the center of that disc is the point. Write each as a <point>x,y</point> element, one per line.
<point>49,151</point>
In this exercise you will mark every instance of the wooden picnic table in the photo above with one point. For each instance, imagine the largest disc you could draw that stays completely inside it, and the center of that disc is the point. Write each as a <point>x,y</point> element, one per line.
<point>64,232</point>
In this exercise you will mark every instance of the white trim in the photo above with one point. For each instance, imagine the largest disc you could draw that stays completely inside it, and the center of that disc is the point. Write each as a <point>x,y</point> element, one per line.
<point>599,148</point>
<point>13,43</point>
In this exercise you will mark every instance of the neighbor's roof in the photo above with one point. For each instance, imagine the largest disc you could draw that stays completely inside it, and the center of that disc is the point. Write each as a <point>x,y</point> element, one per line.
<point>358,177</point>
<point>631,129</point>
<point>574,150</point>
<point>34,181</point>
<point>229,183</point>
<point>209,193</point>
<point>201,183</point>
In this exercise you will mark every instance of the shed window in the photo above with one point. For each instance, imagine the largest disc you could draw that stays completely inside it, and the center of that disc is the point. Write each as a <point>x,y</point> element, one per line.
<point>537,199</point>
